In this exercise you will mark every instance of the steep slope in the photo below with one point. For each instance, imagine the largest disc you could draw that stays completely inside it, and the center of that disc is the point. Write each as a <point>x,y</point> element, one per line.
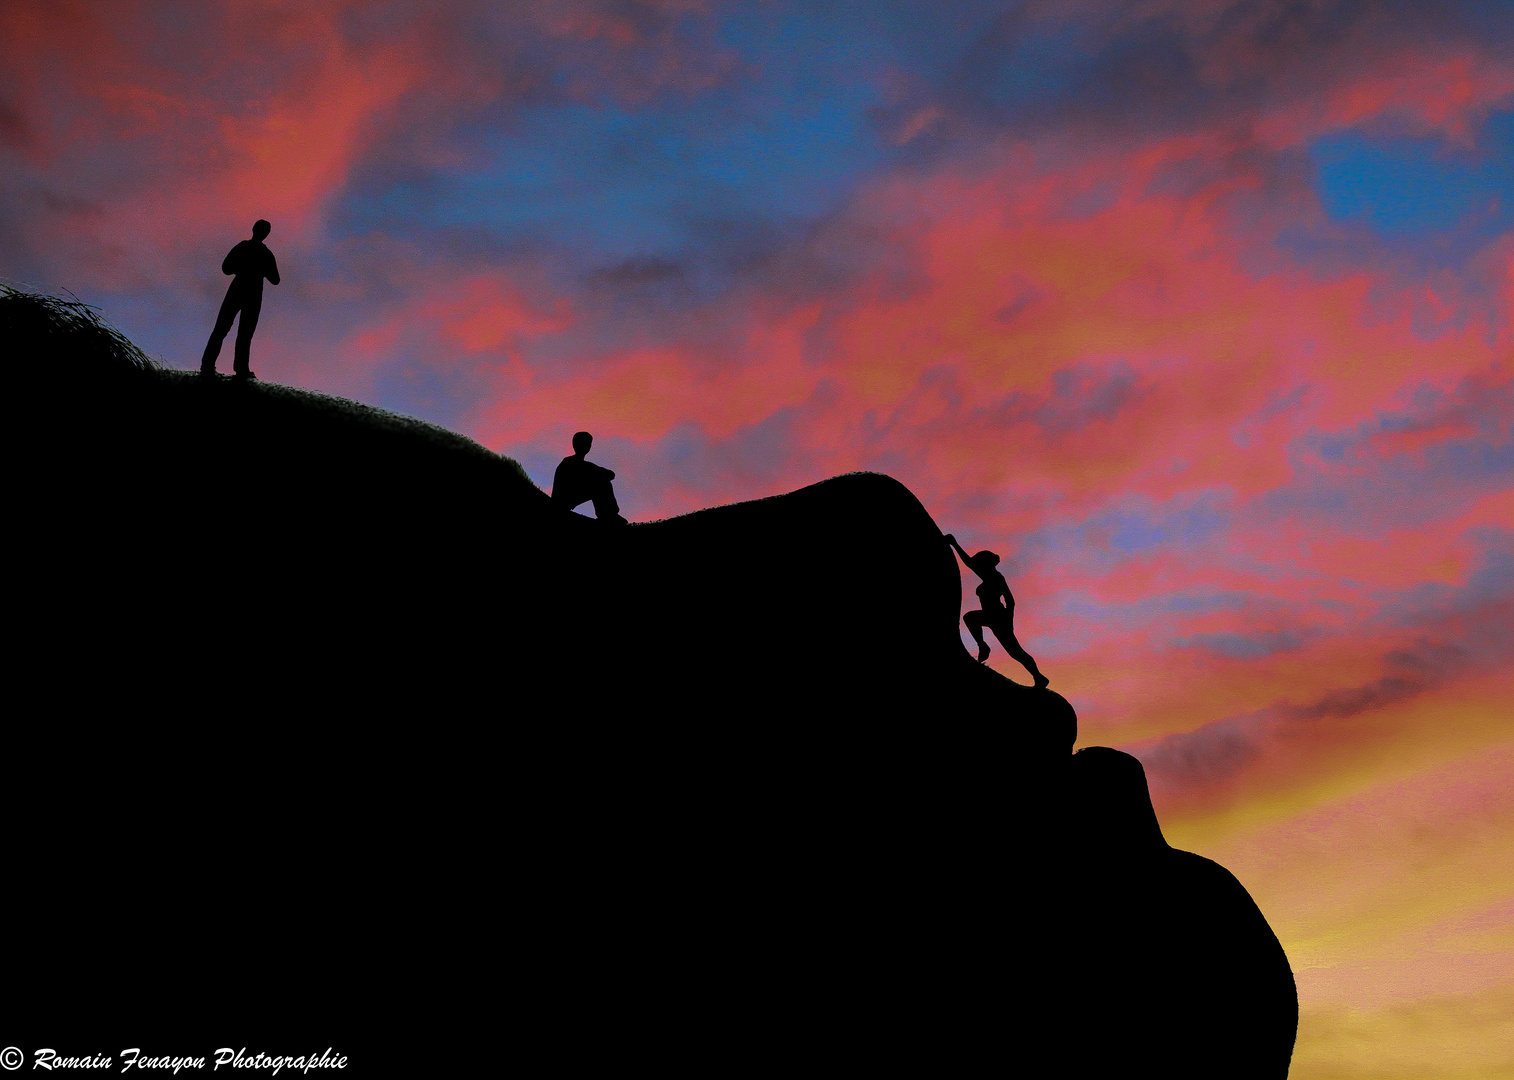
<point>1165,947</point>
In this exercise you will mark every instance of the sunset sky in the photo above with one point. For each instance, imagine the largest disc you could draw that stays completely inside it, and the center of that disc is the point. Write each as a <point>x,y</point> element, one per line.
<point>1197,312</point>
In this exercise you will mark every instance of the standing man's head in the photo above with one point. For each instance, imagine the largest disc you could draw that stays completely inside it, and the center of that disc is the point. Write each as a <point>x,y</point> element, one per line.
<point>582,440</point>
<point>260,229</point>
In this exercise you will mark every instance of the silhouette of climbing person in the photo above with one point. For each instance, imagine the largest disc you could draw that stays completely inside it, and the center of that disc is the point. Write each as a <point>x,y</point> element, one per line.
<point>578,481</point>
<point>998,610</point>
<point>251,262</point>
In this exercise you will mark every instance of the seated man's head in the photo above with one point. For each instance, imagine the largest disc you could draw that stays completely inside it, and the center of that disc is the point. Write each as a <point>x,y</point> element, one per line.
<point>582,440</point>
<point>261,229</point>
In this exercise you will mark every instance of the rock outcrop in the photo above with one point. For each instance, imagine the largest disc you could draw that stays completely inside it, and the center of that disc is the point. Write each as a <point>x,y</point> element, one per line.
<point>715,789</point>
<point>1167,949</point>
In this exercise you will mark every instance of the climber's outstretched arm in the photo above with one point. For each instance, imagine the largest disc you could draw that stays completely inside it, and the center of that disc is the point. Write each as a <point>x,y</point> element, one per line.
<point>952,540</point>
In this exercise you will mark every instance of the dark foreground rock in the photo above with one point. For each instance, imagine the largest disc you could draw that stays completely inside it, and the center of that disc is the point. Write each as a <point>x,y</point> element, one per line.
<point>1165,947</point>
<point>335,725</point>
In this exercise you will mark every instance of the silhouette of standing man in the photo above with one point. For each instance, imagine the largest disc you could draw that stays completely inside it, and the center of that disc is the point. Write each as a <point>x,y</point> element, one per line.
<point>251,262</point>
<point>993,594</point>
<point>578,481</point>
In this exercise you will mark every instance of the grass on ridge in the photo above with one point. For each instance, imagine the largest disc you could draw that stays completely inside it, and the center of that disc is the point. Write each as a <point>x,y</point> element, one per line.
<point>55,331</point>
<point>66,341</point>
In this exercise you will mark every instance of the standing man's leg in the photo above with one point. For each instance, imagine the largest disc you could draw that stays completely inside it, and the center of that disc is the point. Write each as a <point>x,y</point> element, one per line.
<point>228,312</point>
<point>251,309</point>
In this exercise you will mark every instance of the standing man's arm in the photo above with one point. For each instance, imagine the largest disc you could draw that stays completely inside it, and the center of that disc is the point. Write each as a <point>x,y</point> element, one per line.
<point>229,264</point>
<point>273,268</point>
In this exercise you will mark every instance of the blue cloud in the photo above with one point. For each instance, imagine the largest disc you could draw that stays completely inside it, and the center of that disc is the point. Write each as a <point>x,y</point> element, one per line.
<point>1248,646</point>
<point>1410,188</point>
<point>1080,394</point>
<point>1345,476</point>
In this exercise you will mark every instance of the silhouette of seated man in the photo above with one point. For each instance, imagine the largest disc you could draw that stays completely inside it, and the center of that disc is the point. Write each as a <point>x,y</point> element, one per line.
<point>998,610</point>
<point>251,262</point>
<point>578,481</point>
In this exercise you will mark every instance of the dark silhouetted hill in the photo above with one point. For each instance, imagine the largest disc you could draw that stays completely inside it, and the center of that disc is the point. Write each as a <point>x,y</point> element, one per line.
<point>330,712</point>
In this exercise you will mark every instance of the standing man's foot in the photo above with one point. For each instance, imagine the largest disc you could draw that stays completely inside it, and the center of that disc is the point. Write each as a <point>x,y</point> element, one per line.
<point>1041,681</point>
<point>982,651</point>
<point>245,375</point>
<point>208,372</point>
